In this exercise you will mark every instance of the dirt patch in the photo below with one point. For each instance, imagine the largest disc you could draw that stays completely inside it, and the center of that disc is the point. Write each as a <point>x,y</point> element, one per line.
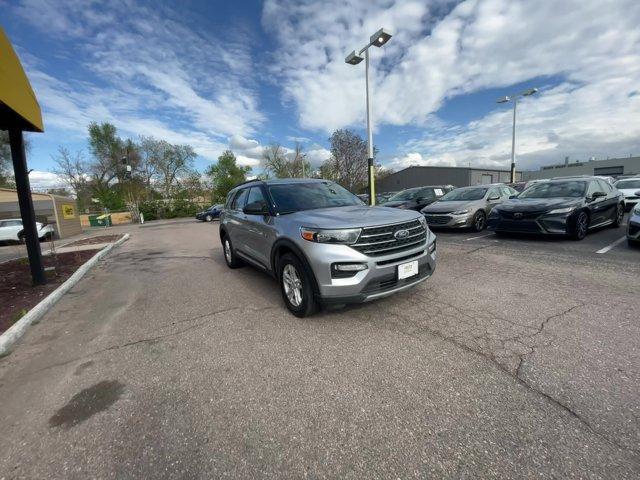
<point>18,295</point>
<point>94,240</point>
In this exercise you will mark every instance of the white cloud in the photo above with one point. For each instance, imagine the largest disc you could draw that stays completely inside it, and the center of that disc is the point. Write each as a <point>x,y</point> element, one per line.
<point>149,70</point>
<point>41,181</point>
<point>439,52</point>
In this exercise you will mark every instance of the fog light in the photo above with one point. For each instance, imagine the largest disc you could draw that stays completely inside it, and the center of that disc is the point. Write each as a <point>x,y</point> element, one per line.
<point>346,270</point>
<point>432,247</point>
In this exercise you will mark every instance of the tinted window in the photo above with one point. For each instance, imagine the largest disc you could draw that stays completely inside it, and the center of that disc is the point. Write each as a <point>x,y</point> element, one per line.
<point>426,193</point>
<point>462,194</point>
<point>13,223</point>
<point>238,202</point>
<point>574,188</point>
<point>255,195</point>
<point>593,188</point>
<point>295,197</point>
<point>408,194</point>
<point>628,184</point>
<point>494,192</point>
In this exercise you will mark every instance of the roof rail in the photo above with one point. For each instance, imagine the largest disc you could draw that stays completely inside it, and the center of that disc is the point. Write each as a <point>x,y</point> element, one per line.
<point>247,181</point>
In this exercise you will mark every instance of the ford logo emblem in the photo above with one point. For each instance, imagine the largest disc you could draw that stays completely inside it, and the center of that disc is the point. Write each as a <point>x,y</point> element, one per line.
<point>518,215</point>
<point>401,234</point>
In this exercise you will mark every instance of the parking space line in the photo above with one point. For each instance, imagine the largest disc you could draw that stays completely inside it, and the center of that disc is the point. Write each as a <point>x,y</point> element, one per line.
<point>611,245</point>
<point>480,236</point>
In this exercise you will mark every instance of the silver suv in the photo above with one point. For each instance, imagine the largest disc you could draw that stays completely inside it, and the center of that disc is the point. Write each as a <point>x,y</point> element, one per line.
<point>323,244</point>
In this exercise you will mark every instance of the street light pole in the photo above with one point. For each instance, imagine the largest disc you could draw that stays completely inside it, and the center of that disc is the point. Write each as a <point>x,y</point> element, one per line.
<point>370,167</point>
<point>378,39</point>
<point>514,99</point>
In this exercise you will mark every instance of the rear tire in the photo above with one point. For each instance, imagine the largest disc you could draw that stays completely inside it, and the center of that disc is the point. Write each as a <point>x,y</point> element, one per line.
<point>580,226</point>
<point>619,216</point>
<point>208,218</point>
<point>296,286</point>
<point>229,253</point>
<point>479,221</point>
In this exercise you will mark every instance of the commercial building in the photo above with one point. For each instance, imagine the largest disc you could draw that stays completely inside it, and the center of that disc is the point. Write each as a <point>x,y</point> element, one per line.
<point>61,212</point>
<point>457,176</point>
<point>611,167</point>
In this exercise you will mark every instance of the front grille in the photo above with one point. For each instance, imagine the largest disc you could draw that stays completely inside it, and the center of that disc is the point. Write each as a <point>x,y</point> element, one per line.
<point>518,226</point>
<point>437,219</point>
<point>378,241</point>
<point>525,215</point>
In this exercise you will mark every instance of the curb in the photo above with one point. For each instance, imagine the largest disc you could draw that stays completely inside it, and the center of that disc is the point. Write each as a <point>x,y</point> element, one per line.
<point>18,329</point>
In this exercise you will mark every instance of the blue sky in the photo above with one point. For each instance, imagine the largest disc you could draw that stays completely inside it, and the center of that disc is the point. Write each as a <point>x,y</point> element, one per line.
<point>243,74</point>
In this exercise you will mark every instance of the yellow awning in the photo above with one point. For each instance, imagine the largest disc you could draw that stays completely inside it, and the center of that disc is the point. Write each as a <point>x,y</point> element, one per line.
<point>18,105</point>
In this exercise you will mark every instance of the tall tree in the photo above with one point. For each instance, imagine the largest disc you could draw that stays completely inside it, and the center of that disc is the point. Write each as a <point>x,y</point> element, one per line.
<point>348,162</point>
<point>107,150</point>
<point>73,170</point>
<point>226,174</point>
<point>282,164</point>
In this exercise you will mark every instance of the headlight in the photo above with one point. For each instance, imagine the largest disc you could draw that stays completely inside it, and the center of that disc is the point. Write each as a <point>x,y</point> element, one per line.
<point>561,210</point>
<point>459,212</point>
<point>345,236</point>
<point>423,220</point>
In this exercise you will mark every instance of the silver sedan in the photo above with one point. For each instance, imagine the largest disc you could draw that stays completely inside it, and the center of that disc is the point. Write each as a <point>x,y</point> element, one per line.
<point>467,207</point>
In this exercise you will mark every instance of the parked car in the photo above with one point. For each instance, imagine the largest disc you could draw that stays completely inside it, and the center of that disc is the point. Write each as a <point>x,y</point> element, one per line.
<point>322,244</point>
<point>517,186</point>
<point>467,207</point>
<point>417,198</point>
<point>210,213</point>
<point>560,207</point>
<point>12,230</point>
<point>633,227</point>
<point>384,197</point>
<point>630,188</point>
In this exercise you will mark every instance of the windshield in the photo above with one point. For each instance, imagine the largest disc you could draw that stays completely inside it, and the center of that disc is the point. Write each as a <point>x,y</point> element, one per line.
<point>294,197</point>
<point>635,183</point>
<point>464,194</point>
<point>555,190</point>
<point>408,194</point>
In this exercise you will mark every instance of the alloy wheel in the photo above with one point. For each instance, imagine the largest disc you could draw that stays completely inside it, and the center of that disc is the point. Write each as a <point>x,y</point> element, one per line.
<point>208,218</point>
<point>479,222</point>
<point>620,215</point>
<point>227,251</point>
<point>292,285</point>
<point>582,225</point>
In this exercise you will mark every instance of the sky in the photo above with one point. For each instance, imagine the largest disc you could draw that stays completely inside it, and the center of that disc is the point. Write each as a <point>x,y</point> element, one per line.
<point>240,75</point>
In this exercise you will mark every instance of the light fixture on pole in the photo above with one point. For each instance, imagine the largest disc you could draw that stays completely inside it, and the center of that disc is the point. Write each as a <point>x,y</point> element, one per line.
<point>514,99</point>
<point>378,39</point>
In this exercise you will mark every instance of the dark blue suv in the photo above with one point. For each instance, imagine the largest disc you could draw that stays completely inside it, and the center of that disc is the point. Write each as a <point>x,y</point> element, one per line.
<point>210,213</point>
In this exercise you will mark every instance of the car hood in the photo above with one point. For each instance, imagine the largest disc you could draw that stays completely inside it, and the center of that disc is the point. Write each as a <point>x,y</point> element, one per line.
<point>538,204</point>
<point>397,203</point>
<point>352,216</point>
<point>448,207</point>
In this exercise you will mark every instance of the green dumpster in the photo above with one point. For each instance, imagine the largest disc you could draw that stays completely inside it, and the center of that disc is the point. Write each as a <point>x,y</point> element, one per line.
<point>100,220</point>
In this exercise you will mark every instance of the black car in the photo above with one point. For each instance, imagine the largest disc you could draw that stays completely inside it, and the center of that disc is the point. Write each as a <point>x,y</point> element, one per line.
<point>570,206</point>
<point>210,213</point>
<point>417,198</point>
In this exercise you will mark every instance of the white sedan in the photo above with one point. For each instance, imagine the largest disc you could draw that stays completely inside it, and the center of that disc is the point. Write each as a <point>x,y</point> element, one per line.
<point>11,229</point>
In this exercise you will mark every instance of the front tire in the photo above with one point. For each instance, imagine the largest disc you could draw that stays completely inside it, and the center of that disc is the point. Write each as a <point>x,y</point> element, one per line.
<point>580,226</point>
<point>230,256</point>
<point>479,221</point>
<point>208,218</point>
<point>619,216</point>
<point>296,286</point>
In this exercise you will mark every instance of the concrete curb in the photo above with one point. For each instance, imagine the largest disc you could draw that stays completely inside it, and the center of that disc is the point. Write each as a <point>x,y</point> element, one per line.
<point>9,338</point>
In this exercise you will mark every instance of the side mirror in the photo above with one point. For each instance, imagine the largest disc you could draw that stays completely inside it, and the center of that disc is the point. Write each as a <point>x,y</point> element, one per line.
<point>255,208</point>
<point>598,195</point>
<point>513,196</point>
<point>495,197</point>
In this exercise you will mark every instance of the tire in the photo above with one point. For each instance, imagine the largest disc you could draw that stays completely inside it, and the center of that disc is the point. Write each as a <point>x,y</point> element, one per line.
<point>296,286</point>
<point>22,238</point>
<point>580,226</point>
<point>619,216</point>
<point>479,221</point>
<point>208,218</point>
<point>229,254</point>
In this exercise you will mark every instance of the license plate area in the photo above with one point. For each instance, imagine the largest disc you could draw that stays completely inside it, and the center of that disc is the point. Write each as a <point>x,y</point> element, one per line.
<point>406,270</point>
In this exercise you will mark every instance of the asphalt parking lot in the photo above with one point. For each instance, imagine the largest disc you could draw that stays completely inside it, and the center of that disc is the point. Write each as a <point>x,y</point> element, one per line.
<point>519,358</point>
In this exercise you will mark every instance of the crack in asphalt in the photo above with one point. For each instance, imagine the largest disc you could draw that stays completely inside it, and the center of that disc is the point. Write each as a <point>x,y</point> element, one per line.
<point>489,356</point>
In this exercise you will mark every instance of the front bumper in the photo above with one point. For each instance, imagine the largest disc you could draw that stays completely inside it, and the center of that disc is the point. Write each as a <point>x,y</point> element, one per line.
<point>378,280</point>
<point>537,223</point>
<point>447,220</point>
<point>633,230</point>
